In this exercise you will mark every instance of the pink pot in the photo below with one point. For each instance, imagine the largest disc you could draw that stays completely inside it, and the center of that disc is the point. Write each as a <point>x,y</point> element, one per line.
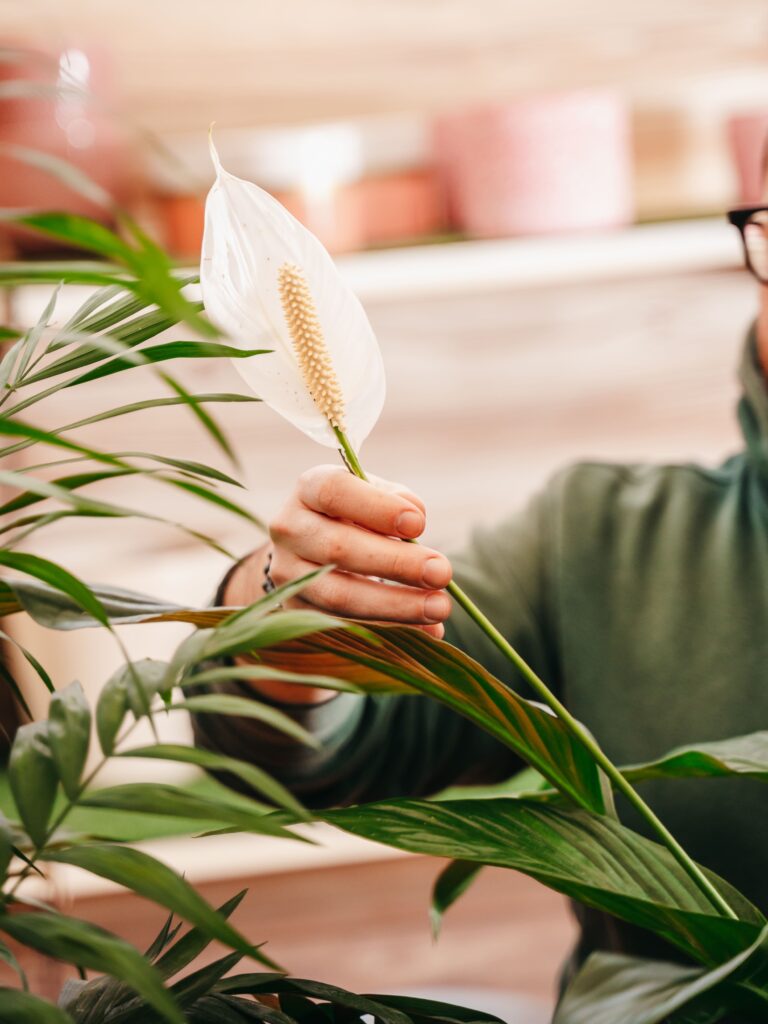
<point>539,164</point>
<point>747,135</point>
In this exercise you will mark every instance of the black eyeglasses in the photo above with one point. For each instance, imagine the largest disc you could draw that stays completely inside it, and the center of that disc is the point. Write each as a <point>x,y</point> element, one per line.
<point>752,222</point>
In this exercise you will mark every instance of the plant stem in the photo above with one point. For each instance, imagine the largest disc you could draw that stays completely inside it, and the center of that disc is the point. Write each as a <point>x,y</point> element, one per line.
<point>572,724</point>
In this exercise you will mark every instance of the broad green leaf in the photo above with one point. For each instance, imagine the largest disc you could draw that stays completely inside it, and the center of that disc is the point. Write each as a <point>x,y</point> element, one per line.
<point>245,707</point>
<point>81,232</point>
<point>131,687</point>
<point>422,1011</point>
<point>86,945</point>
<point>17,1007</point>
<point>69,735</point>
<point>149,877</point>
<point>740,755</point>
<point>452,882</point>
<point>58,578</point>
<point>527,783</point>
<point>250,774</point>
<point>33,778</point>
<point>591,858</point>
<point>55,610</point>
<point>611,987</point>
<point>255,983</point>
<point>157,798</point>
<point>404,659</point>
<point>162,353</point>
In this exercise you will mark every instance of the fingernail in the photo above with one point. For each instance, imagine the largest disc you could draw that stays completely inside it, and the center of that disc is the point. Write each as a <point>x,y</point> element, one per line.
<point>436,607</point>
<point>410,524</point>
<point>433,573</point>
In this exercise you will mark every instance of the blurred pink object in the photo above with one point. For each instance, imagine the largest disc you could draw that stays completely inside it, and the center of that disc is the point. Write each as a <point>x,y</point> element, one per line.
<point>747,135</point>
<point>59,110</point>
<point>552,163</point>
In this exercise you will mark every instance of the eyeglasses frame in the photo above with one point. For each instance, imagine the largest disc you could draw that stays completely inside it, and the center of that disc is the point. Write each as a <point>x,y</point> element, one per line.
<point>740,217</point>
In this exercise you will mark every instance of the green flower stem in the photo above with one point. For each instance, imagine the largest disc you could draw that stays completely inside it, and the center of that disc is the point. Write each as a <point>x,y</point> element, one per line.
<point>572,724</point>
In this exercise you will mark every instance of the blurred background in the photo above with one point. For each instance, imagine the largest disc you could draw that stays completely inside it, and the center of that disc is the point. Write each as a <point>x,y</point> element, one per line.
<point>529,200</point>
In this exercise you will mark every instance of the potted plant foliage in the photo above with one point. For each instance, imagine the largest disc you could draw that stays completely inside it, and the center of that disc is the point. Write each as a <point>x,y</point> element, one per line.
<point>558,825</point>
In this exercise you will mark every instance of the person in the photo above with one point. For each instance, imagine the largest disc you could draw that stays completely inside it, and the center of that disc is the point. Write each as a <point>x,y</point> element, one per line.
<point>638,592</point>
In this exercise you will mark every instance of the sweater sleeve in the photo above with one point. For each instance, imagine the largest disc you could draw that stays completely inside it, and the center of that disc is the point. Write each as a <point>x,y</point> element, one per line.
<point>374,747</point>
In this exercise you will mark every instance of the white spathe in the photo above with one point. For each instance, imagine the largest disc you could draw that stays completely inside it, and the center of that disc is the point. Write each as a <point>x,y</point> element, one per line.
<point>248,237</point>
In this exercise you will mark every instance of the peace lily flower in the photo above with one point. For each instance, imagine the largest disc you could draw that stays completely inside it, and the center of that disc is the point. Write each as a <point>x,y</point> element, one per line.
<point>268,282</point>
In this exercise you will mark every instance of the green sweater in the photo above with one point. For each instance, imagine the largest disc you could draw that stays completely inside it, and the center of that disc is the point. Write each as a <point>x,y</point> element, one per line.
<point>640,593</point>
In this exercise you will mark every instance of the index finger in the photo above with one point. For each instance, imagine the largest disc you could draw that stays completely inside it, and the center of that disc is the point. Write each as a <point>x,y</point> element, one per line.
<point>334,492</point>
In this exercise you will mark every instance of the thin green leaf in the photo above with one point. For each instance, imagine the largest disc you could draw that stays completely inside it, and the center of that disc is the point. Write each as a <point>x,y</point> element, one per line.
<point>31,660</point>
<point>254,672</point>
<point>7,845</point>
<point>58,578</point>
<point>244,707</point>
<point>193,942</point>
<point>7,364</point>
<point>126,410</point>
<point>69,735</point>
<point>64,483</point>
<point>254,777</point>
<point>69,271</point>
<point>18,1007</point>
<point>591,858</point>
<point>612,988</point>
<point>88,308</point>
<point>86,945</point>
<point>208,423</point>
<point>156,798</point>
<point>68,174</point>
<point>32,337</point>
<point>162,353</point>
<point>16,428</point>
<point>7,956</point>
<point>452,882</point>
<point>33,778</point>
<point>131,687</point>
<point>149,877</point>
